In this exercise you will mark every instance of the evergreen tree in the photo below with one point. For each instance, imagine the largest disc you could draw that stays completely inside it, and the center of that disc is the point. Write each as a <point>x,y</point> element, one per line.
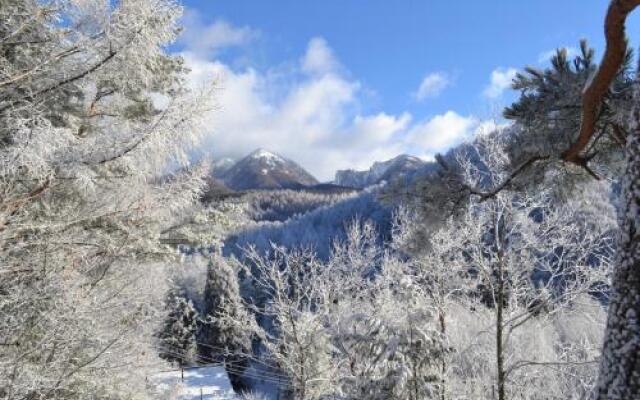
<point>178,339</point>
<point>220,341</point>
<point>548,115</point>
<point>550,99</point>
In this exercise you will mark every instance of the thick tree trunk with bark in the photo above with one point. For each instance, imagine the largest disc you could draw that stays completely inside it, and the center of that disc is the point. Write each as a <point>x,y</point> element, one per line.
<point>620,364</point>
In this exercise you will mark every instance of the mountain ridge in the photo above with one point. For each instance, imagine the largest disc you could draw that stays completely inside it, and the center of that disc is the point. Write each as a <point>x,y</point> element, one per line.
<point>403,166</point>
<point>263,169</point>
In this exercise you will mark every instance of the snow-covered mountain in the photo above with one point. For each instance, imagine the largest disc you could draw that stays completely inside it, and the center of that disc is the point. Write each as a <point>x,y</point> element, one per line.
<point>263,169</point>
<point>402,166</point>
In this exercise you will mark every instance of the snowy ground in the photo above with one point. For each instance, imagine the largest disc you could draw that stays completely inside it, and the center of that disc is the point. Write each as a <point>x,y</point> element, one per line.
<point>211,382</point>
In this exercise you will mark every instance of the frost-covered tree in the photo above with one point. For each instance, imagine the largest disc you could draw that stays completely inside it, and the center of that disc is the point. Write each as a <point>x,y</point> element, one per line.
<point>178,337</point>
<point>619,368</point>
<point>524,270</point>
<point>520,257</point>
<point>380,330</point>
<point>220,339</point>
<point>541,272</point>
<point>436,281</point>
<point>385,339</point>
<point>285,314</point>
<point>92,112</point>
<point>221,296</point>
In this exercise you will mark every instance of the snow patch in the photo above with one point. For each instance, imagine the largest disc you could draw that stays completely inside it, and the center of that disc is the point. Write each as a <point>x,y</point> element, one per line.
<point>212,382</point>
<point>265,154</point>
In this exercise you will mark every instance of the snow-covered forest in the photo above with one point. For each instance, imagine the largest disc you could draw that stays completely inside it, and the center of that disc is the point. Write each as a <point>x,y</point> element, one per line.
<point>134,267</point>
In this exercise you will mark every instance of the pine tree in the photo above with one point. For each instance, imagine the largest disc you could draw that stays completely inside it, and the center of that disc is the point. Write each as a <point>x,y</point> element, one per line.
<point>220,341</point>
<point>548,114</point>
<point>178,339</point>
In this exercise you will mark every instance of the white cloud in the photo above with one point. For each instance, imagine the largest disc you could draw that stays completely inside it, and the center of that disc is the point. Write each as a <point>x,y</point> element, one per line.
<point>207,39</point>
<point>547,55</point>
<point>441,132</point>
<point>379,128</point>
<point>500,81</point>
<point>314,118</point>
<point>309,124</point>
<point>432,85</point>
<point>319,58</point>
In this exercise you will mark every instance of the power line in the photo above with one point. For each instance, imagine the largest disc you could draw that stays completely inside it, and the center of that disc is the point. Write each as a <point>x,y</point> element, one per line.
<point>225,351</point>
<point>271,376</point>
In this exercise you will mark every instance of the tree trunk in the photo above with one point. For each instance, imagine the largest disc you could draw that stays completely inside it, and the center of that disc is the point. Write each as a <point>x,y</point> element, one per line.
<point>499,331</point>
<point>443,362</point>
<point>620,363</point>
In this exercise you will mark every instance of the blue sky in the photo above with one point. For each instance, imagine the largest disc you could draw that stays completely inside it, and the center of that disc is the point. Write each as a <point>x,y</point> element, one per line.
<point>341,83</point>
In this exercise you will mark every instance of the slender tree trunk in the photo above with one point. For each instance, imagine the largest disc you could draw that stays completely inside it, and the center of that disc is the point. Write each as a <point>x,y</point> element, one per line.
<point>620,363</point>
<point>443,362</point>
<point>301,359</point>
<point>499,332</point>
<point>414,367</point>
<point>303,390</point>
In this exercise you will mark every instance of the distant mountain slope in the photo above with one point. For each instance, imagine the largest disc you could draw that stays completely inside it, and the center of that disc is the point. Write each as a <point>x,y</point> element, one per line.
<point>263,169</point>
<point>221,166</point>
<point>400,167</point>
<point>283,204</point>
<point>317,228</point>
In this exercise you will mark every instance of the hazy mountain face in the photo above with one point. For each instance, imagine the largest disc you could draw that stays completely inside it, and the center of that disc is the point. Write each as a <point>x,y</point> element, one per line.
<point>221,166</point>
<point>263,169</point>
<point>402,166</point>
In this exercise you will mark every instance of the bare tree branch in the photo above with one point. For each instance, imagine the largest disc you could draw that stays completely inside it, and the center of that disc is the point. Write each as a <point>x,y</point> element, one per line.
<point>486,195</point>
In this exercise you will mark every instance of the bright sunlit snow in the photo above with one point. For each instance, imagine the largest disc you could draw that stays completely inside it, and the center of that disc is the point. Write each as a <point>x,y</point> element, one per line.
<point>211,382</point>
